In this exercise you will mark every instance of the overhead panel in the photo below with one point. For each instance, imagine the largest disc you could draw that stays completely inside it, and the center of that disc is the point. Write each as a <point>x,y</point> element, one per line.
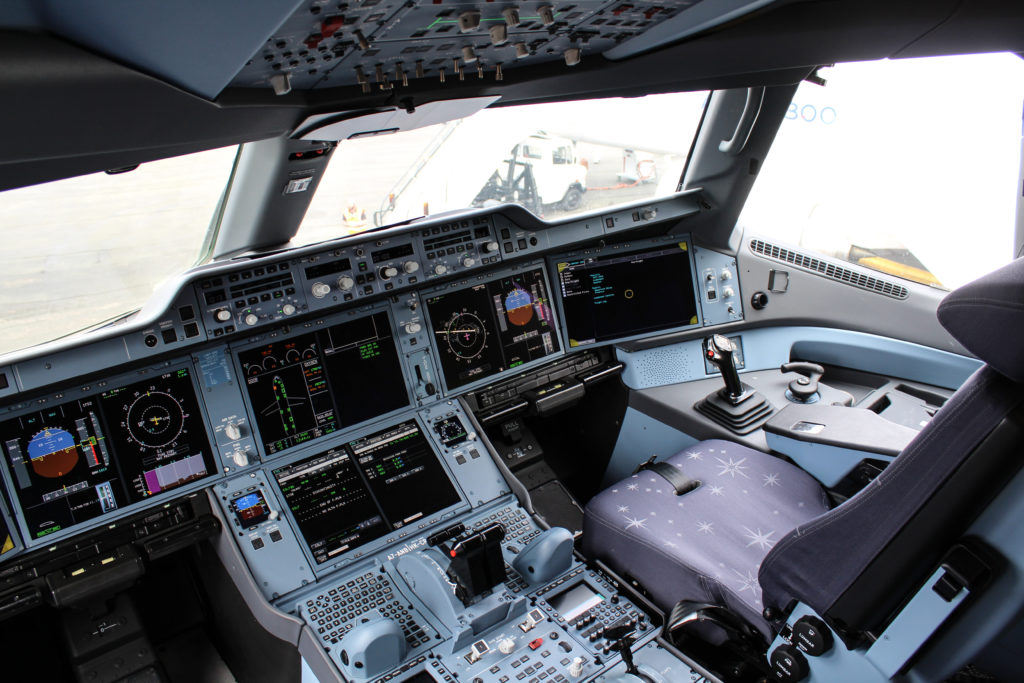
<point>386,44</point>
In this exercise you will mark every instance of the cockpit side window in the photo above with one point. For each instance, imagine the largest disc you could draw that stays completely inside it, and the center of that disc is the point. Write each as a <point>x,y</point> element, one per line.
<point>909,167</point>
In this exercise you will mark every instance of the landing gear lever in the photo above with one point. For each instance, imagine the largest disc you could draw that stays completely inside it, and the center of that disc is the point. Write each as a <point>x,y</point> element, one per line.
<point>720,350</point>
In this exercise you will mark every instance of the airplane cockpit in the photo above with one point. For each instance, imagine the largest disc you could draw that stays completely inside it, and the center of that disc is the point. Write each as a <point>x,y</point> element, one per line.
<point>533,342</point>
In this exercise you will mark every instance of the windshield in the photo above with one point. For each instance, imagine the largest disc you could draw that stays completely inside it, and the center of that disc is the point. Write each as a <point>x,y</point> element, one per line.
<point>83,250</point>
<point>908,167</point>
<point>555,159</point>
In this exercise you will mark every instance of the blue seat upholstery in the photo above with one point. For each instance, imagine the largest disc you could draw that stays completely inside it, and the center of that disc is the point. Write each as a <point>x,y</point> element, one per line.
<point>783,538</point>
<point>708,544</point>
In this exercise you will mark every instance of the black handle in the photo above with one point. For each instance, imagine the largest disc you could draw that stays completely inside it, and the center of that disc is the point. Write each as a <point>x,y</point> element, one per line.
<point>804,388</point>
<point>720,350</point>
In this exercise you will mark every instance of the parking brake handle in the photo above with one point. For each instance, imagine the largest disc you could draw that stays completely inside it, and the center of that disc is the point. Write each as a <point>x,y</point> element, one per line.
<point>804,389</point>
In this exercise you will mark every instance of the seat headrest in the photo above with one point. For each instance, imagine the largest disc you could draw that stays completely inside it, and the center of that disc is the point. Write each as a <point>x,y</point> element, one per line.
<point>987,317</point>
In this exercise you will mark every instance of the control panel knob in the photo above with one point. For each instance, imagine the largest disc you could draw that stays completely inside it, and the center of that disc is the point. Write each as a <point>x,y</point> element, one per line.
<point>346,283</point>
<point>413,328</point>
<point>388,272</point>
<point>471,436</point>
<point>726,274</point>
<point>274,514</point>
<point>468,261</point>
<point>506,646</point>
<point>288,309</point>
<point>649,214</point>
<point>491,247</point>
<point>811,635</point>
<point>728,292</point>
<point>232,431</point>
<point>576,667</point>
<point>411,266</point>
<point>240,458</point>
<point>251,319</point>
<point>788,664</point>
<point>440,269</point>
<point>223,315</point>
<point>321,289</point>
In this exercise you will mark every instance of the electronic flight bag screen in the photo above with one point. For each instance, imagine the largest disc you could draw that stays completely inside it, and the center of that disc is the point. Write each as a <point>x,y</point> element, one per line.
<point>359,491</point>
<point>493,326</point>
<point>623,294</point>
<point>308,386</point>
<point>85,458</point>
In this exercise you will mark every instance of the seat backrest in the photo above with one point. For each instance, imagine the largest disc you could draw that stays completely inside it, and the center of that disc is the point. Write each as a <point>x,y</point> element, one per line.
<point>819,562</point>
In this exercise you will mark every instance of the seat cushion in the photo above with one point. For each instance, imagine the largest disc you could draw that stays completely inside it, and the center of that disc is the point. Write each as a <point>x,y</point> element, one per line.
<point>708,544</point>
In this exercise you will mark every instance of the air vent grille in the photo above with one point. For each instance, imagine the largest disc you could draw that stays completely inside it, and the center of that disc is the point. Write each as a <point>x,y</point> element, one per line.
<point>828,269</point>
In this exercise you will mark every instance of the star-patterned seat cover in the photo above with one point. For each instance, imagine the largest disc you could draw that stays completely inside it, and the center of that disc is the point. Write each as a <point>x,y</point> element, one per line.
<point>706,545</point>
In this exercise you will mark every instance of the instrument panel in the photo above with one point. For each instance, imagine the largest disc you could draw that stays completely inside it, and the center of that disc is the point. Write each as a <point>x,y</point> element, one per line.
<point>297,355</point>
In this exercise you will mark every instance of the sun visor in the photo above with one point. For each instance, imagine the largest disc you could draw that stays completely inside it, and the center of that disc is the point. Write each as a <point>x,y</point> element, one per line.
<point>350,125</point>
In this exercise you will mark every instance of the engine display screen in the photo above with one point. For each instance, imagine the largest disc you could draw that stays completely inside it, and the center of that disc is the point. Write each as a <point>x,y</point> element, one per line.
<point>311,385</point>
<point>575,601</point>
<point>359,491</point>
<point>79,460</point>
<point>623,294</point>
<point>493,326</point>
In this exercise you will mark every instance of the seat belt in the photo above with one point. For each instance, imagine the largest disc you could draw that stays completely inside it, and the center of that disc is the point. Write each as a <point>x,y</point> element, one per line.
<point>670,473</point>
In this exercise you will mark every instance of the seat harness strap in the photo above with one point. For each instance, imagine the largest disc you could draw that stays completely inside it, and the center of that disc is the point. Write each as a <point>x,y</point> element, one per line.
<point>670,473</point>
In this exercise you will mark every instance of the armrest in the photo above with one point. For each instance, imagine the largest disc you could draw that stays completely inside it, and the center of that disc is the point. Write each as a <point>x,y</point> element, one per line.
<point>856,429</point>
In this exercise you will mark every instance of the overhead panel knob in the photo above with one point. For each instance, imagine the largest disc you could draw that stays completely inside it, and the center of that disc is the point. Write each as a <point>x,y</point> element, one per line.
<point>469,21</point>
<point>223,315</point>
<point>726,274</point>
<point>413,328</point>
<point>499,34</point>
<point>576,667</point>
<point>511,15</point>
<point>522,50</point>
<point>240,458</point>
<point>288,309</point>
<point>251,319</point>
<point>232,431</point>
<point>468,262</point>
<point>440,269</point>
<point>321,289</point>
<point>388,272</point>
<point>468,55</point>
<point>410,266</point>
<point>506,646</point>
<point>573,56</point>
<point>346,283</point>
<point>547,14</point>
<point>491,247</point>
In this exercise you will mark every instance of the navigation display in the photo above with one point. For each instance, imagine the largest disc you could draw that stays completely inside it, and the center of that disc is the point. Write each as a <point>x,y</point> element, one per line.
<point>492,327</point>
<point>81,459</point>
<point>624,294</point>
<point>357,492</point>
<point>314,384</point>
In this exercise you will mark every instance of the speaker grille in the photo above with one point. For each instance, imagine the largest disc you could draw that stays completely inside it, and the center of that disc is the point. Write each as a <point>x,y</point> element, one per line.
<point>828,269</point>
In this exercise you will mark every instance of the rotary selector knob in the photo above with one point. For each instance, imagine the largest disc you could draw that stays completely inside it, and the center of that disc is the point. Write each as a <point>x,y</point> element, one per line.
<point>232,431</point>
<point>440,269</point>
<point>320,290</point>
<point>728,292</point>
<point>726,274</point>
<point>788,664</point>
<point>411,266</point>
<point>811,635</point>
<point>506,646</point>
<point>471,436</point>
<point>288,309</point>
<point>240,458</point>
<point>468,262</point>
<point>576,667</point>
<point>413,328</point>
<point>649,214</point>
<point>251,319</point>
<point>388,272</point>
<point>223,315</point>
<point>491,247</point>
<point>346,283</point>
<point>274,514</point>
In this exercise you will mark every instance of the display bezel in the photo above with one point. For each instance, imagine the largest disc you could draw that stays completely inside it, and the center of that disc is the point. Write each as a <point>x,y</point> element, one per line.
<point>624,248</point>
<point>435,348</point>
<point>313,327</point>
<point>341,439</point>
<point>94,390</point>
<point>12,528</point>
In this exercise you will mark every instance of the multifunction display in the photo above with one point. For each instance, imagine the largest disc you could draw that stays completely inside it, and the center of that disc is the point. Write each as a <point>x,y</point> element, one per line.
<point>308,386</point>
<point>492,327</point>
<point>78,460</point>
<point>616,295</point>
<point>362,490</point>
